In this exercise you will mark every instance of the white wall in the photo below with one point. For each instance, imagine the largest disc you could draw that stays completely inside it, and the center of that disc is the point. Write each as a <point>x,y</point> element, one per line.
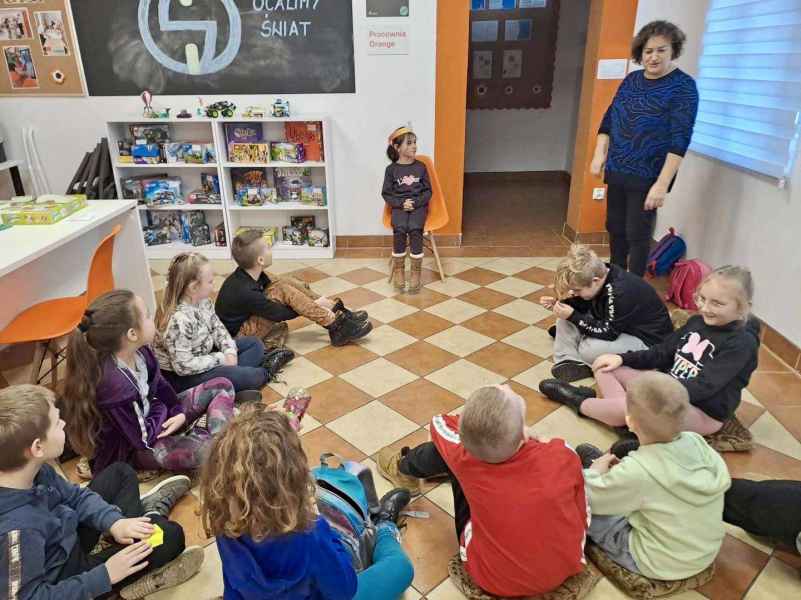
<point>731,216</point>
<point>390,90</point>
<point>536,139</point>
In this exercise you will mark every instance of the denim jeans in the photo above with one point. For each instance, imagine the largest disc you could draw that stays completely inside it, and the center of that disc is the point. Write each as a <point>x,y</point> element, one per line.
<point>248,374</point>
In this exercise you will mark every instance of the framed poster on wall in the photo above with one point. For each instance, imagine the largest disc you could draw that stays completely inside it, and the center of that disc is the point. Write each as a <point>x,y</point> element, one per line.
<point>512,53</point>
<point>38,49</point>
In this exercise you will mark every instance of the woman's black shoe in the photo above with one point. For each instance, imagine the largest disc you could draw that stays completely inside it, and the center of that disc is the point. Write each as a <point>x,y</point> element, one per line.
<point>570,371</point>
<point>569,395</point>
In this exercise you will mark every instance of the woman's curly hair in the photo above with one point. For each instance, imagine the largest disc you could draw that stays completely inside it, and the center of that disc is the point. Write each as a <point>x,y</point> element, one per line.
<point>256,481</point>
<point>664,28</point>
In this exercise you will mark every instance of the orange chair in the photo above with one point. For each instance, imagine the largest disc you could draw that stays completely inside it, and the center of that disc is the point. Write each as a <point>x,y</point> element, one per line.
<point>437,214</point>
<point>46,322</point>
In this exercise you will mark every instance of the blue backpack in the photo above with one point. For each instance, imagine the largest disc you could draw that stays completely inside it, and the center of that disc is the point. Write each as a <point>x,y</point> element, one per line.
<point>669,250</point>
<point>347,499</point>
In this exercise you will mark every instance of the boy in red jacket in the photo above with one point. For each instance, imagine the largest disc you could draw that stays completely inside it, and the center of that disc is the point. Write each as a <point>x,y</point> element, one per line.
<point>521,512</point>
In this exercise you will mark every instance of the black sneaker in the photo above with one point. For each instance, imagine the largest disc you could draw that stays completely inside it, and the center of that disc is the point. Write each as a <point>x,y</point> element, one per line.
<point>164,495</point>
<point>552,331</point>
<point>345,330</point>
<point>569,395</point>
<point>356,315</point>
<point>570,371</point>
<point>277,359</point>
<point>391,505</point>
<point>588,453</point>
<point>621,448</point>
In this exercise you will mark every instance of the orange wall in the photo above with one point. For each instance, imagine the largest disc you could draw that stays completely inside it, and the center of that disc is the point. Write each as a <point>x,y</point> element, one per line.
<point>609,35</point>
<point>453,24</point>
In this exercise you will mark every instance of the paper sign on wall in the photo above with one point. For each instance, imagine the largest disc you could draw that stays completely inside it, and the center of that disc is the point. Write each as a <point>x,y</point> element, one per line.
<point>612,68</point>
<point>387,39</point>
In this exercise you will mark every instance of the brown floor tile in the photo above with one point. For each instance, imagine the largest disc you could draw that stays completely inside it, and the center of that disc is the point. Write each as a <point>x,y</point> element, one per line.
<point>789,557</point>
<point>763,460</point>
<point>363,252</point>
<point>768,361</point>
<point>342,359</point>
<point>429,543</point>
<point>422,299</point>
<point>503,359</point>
<point>294,324</point>
<point>537,275</point>
<point>736,567</point>
<point>535,296</point>
<point>186,512</point>
<point>537,406</point>
<point>323,440</point>
<point>546,323</point>
<point>781,346</point>
<point>486,298</point>
<point>428,276</point>
<point>269,395</point>
<point>479,276</point>
<point>494,325</point>
<point>421,400</point>
<point>309,275</point>
<point>790,417</point>
<point>776,389</point>
<point>421,324</point>
<point>358,297</point>
<point>333,398</point>
<point>747,413</point>
<point>362,276</point>
<point>421,358</point>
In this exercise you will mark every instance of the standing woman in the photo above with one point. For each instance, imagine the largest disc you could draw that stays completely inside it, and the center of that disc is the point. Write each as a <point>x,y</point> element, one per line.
<point>642,140</point>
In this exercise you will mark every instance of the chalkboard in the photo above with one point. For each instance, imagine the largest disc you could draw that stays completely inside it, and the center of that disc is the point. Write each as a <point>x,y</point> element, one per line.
<point>216,46</point>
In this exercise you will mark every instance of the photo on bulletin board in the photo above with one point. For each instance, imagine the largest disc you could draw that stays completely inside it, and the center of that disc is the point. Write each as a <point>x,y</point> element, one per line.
<point>38,49</point>
<point>532,3</point>
<point>387,8</point>
<point>482,64</point>
<point>501,4</point>
<point>512,64</point>
<point>484,31</point>
<point>517,30</point>
<point>200,47</point>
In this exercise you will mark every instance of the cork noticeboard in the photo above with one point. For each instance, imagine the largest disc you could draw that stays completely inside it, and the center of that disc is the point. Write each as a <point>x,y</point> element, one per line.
<point>38,49</point>
<point>512,53</point>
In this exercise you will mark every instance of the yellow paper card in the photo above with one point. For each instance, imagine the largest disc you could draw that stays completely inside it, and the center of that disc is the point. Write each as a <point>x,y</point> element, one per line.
<point>157,539</point>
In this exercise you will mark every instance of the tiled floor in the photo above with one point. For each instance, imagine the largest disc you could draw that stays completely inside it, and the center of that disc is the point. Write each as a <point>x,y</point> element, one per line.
<point>429,351</point>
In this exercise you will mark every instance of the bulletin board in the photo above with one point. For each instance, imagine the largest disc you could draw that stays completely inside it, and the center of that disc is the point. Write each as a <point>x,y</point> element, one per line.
<point>38,49</point>
<point>512,53</point>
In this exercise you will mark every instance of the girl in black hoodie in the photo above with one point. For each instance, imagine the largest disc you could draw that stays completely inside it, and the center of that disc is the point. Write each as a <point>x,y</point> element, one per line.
<point>713,356</point>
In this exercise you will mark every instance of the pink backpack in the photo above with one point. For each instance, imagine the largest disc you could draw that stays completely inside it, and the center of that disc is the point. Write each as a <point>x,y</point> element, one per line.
<point>684,280</point>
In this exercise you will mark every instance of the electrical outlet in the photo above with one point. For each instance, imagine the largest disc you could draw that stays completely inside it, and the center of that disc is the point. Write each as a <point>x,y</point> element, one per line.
<point>598,193</point>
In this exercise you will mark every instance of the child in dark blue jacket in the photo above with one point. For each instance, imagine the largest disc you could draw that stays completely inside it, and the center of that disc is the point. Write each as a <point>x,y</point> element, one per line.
<point>258,500</point>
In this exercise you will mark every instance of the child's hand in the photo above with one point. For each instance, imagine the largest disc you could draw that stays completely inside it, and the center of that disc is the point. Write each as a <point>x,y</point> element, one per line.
<point>597,165</point>
<point>128,561</point>
<point>230,360</point>
<point>562,310</point>
<point>548,302</point>
<point>172,425</point>
<point>125,531</point>
<point>607,362</point>
<point>604,463</point>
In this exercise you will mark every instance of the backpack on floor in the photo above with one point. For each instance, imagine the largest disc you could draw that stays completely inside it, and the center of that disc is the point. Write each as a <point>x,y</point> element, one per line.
<point>346,498</point>
<point>687,275</point>
<point>665,254</point>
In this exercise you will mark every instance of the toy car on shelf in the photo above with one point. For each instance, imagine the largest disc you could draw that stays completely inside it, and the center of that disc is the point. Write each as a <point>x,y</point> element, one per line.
<point>254,112</point>
<point>184,114</point>
<point>220,109</point>
<point>280,108</point>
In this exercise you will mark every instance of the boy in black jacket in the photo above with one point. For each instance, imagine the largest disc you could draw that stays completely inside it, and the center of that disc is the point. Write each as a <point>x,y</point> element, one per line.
<point>49,526</point>
<point>607,311</point>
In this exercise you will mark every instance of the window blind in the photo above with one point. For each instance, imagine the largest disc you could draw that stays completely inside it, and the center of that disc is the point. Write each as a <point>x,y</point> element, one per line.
<point>749,85</point>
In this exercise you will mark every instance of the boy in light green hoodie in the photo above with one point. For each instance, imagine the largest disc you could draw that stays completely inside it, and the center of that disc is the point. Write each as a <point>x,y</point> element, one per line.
<point>659,511</point>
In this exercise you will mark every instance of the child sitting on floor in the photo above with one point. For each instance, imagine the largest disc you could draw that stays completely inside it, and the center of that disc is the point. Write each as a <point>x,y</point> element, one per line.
<point>606,310</point>
<point>120,407</point>
<point>658,512</point>
<point>249,302</point>
<point>192,344</point>
<point>49,526</point>
<point>521,513</point>
<point>258,500</point>
<point>712,356</point>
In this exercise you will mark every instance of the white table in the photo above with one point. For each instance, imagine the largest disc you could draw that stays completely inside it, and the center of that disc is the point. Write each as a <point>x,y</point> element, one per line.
<point>41,262</point>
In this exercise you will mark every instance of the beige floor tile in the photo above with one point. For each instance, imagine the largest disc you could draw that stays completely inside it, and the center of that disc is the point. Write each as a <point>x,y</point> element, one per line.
<point>525,311</point>
<point>341,265</point>
<point>372,426</point>
<point>455,310</point>
<point>442,496</point>
<point>510,266</point>
<point>463,378</point>
<point>606,590</point>
<point>452,287</point>
<point>388,310</point>
<point>382,486</point>
<point>301,372</point>
<point>778,581</point>
<point>381,286</point>
<point>742,535</point>
<point>386,339</point>
<point>750,398</point>
<point>550,263</point>
<point>459,340</point>
<point>281,267</point>
<point>308,339</point>
<point>565,424</point>
<point>532,377</point>
<point>207,584</point>
<point>451,266</point>
<point>769,432</point>
<point>514,287</point>
<point>411,594</point>
<point>332,286</point>
<point>445,591</point>
<point>378,377</point>
<point>532,339</point>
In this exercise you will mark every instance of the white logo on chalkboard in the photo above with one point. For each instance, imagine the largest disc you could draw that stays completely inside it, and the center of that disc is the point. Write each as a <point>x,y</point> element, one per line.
<point>205,64</point>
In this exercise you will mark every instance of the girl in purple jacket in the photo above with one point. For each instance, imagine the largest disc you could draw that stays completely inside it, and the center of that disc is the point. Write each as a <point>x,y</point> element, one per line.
<point>119,406</point>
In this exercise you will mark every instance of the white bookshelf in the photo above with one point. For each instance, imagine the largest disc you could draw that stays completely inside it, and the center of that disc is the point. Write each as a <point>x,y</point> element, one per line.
<point>231,214</point>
